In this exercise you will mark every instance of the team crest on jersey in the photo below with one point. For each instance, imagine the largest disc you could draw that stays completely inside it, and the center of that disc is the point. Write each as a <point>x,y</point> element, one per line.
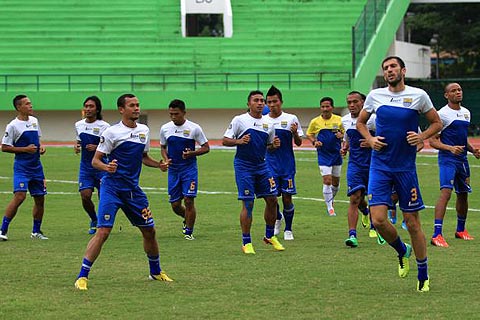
<point>284,124</point>
<point>466,117</point>
<point>142,137</point>
<point>407,102</point>
<point>265,126</point>
<point>186,133</point>
<point>96,131</point>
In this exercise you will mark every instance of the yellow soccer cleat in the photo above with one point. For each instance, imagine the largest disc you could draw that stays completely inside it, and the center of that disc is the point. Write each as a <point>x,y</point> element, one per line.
<point>275,243</point>
<point>403,263</point>
<point>81,283</point>
<point>160,277</point>
<point>248,249</point>
<point>423,285</point>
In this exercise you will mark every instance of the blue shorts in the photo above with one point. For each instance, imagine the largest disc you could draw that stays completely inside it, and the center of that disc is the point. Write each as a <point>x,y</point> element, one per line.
<point>455,175</point>
<point>34,184</point>
<point>134,204</point>
<point>182,183</point>
<point>380,186</point>
<point>286,184</point>
<point>254,180</point>
<point>89,179</point>
<point>357,179</point>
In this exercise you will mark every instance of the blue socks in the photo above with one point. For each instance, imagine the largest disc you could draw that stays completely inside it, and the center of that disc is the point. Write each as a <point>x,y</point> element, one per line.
<point>269,230</point>
<point>188,231</point>
<point>84,271</point>
<point>154,263</point>
<point>399,246</point>
<point>422,266</point>
<point>288,215</point>
<point>5,223</point>
<point>437,227</point>
<point>246,238</point>
<point>352,232</point>
<point>36,226</point>
<point>461,223</point>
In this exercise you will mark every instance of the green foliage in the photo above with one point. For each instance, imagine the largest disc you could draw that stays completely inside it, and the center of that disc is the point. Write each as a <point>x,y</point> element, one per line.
<point>316,277</point>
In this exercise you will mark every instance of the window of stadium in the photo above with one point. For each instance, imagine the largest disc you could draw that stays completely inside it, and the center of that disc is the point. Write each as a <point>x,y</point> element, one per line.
<point>205,25</point>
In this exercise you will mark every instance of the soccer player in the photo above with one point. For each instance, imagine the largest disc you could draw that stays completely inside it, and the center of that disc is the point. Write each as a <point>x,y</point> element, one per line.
<point>397,107</point>
<point>282,160</point>
<point>358,165</point>
<point>454,170</point>
<point>126,144</point>
<point>88,132</point>
<point>325,132</point>
<point>253,135</point>
<point>177,141</point>
<point>22,137</point>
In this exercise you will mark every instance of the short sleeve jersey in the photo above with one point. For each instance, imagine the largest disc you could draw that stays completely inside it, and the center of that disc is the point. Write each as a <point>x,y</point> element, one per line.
<point>325,131</point>
<point>126,145</point>
<point>454,133</point>
<point>261,134</point>
<point>282,160</point>
<point>89,133</point>
<point>21,133</point>
<point>180,138</point>
<point>397,113</point>
<point>359,156</point>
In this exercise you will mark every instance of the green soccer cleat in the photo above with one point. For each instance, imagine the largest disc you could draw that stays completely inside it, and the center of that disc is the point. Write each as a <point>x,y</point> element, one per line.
<point>81,283</point>
<point>160,277</point>
<point>380,239</point>
<point>365,220</point>
<point>275,243</point>
<point>248,248</point>
<point>403,263</point>
<point>423,285</point>
<point>352,242</point>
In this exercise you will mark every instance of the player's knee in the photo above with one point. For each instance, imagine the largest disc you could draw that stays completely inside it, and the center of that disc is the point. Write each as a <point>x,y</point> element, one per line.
<point>20,197</point>
<point>177,207</point>
<point>189,202</point>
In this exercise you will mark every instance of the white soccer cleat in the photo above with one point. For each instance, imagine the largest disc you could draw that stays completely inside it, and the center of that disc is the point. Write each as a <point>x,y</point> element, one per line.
<point>3,237</point>
<point>278,227</point>
<point>288,235</point>
<point>38,235</point>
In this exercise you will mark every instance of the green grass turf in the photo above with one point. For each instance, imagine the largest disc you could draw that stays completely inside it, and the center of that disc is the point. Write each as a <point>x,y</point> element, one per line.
<point>316,277</point>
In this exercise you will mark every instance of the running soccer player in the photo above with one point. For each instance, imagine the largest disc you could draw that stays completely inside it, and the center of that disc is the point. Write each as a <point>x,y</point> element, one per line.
<point>252,135</point>
<point>127,144</point>
<point>88,132</point>
<point>393,161</point>
<point>282,160</point>
<point>177,141</point>
<point>22,137</point>
<point>325,132</point>
<point>454,169</point>
<point>358,166</point>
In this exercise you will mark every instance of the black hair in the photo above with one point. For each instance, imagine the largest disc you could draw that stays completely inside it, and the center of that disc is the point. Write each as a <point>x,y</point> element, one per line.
<point>177,103</point>
<point>122,98</point>
<point>98,105</point>
<point>327,99</point>
<point>273,91</point>
<point>254,92</point>
<point>399,60</point>
<point>17,99</point>
<point>359,93</point>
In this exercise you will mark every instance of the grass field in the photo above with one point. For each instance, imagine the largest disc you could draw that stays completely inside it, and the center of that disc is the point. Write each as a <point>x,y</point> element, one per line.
<point>316,277</point>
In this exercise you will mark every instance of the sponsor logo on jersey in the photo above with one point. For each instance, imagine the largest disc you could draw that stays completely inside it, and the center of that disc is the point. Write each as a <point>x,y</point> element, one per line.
<point>407,102</point>
<point>395,100</point>
<point>33,125</point>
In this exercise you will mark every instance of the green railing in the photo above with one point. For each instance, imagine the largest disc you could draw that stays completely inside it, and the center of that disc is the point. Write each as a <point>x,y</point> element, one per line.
<point>365,28</point>
<point>173,81</point>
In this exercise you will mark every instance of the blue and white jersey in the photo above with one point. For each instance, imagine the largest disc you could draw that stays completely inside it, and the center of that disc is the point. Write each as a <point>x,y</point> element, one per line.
<point>21,133</point>
<point>454,133</point>
<point>127,146</point>
<point>261,133</point>
<point>89,133</point>
<point>359,156</point>
<point>178,139</point>
<point>397,113</point>
<point>282,160</point>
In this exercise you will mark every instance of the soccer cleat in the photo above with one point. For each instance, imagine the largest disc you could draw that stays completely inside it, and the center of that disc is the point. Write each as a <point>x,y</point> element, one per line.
<point>3,236</point>
<point>248,248</point>
<point>352,242</point>
<point>93,227</point>
<point>189,237</point>
<point>288,235</point>
<point>275,243</point>
<point>380,239</point>
<point>372,233</point>
<point>403,263</point>
<point>392,216</point>
<point>278,227</point>
<point>331,212</point>
<point>404,225</point>
<point>38,235</point>
<point>423,285</point>
<point>365,220</point>
<point>439,241</point>
<point>81,283</point>
<point>463,235</point>
<point>160,277</point>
